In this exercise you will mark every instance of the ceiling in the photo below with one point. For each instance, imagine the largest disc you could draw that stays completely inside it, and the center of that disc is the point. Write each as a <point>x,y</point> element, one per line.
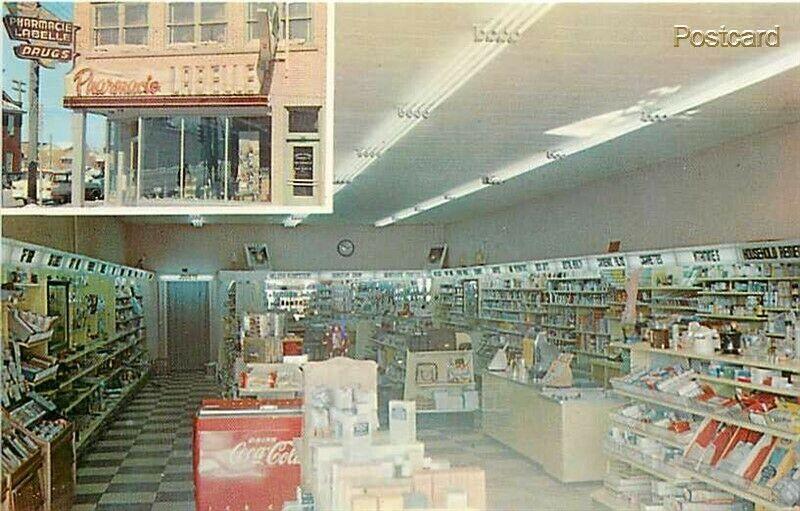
<point>575,63</point>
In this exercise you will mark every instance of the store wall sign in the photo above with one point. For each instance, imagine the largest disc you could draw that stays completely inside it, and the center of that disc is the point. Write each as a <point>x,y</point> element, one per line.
<point>651,259</point>
<point>611,262</point>
<point>42,40</point>
<point>87,83</point>
<point>572,264</point>
<point>771,252</point>
<point>26,28</point>
<point>706,256</point>
<point>40,52</point>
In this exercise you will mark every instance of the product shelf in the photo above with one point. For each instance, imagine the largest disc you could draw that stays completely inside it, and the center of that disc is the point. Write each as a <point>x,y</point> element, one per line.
<point>730,293</point>
<point>730,317</point>
<point>695,408</point>
<point>559,327</point>
<point>733,484</point>
<point>679,441</point>
<point>786,365</point>
<point>746,279</point>
<point>579,305</point>
<point>783,391</point>
<point>604,497</point>
<point>655,468</point>
<point>87,433</point>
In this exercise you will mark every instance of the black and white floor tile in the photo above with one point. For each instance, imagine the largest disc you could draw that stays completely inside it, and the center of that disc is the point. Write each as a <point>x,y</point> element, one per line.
<point>143,461</point>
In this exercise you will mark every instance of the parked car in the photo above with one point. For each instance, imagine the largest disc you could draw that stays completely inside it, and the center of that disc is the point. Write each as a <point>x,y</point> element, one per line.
<point>55,187</point>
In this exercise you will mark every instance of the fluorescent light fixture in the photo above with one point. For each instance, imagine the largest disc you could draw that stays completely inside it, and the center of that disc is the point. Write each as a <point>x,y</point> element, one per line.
<point>389,220</point>
<point>185,277</point>
<point>293,220</point>
<point>723,85</point>
<point>735,80</point>
<point>469,62</point>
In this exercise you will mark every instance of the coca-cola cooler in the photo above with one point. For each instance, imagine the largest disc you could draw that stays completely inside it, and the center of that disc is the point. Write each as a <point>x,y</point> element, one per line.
<point>244,454</point>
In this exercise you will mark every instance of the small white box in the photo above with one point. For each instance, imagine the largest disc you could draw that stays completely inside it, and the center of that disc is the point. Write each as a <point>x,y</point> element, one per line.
<point>471,400</point>
<point>444,400</point>
<point>343,398</point>
<point>402,421</point>
<point>456,499</point>
<point>352,427</point>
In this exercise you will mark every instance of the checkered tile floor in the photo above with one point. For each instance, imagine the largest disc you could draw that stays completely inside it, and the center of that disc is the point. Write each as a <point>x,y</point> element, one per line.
<point>143,461</point>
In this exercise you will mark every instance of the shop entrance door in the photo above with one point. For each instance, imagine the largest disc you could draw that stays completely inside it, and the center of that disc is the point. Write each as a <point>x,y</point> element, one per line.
<point>188,326</point>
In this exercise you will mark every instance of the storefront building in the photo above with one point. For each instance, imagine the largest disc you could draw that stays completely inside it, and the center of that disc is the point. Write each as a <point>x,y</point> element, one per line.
<point>206,103</point>
<point>12,126</point>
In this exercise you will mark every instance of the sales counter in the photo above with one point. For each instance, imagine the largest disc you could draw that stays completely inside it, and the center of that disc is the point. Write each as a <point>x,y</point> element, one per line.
<point>562,430</point>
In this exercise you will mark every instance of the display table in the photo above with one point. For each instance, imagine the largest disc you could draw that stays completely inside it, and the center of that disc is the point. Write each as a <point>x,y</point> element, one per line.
<point>565,437</point>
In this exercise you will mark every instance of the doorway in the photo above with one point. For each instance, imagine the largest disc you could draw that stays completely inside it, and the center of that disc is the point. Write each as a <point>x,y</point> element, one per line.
<point>188,339</point>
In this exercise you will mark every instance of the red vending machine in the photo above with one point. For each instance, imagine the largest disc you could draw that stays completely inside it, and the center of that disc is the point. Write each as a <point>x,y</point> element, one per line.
<point>244,454</point>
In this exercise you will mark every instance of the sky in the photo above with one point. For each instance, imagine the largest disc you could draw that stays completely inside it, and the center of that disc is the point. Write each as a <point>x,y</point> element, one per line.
<point>56,120</point>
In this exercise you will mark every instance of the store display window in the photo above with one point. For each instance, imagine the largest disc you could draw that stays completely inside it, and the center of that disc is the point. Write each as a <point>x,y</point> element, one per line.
<point>189,159</point>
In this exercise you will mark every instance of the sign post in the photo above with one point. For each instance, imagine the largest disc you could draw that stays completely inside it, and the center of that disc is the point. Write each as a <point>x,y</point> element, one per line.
<point>43,40</point>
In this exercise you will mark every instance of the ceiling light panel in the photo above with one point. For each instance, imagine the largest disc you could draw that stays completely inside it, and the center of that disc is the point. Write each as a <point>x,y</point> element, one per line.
<point>671,106</point>
<point>471,60</point>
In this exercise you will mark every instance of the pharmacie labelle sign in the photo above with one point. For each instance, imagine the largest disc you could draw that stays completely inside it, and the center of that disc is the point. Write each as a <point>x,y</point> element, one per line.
<point>42,40</point>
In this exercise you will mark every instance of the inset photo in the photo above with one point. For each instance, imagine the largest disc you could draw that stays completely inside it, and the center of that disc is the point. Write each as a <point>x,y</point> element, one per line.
<point>167,107</point>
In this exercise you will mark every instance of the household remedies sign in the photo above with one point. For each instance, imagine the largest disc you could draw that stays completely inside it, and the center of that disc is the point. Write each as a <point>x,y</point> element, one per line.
<point>43,40</point>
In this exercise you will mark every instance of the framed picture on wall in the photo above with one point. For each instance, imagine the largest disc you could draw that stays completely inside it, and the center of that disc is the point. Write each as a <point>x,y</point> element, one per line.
<point>257,256</point>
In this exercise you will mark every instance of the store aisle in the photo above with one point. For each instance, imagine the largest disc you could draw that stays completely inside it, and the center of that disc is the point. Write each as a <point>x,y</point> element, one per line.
<point>143,461</point>
<point>513,483</point>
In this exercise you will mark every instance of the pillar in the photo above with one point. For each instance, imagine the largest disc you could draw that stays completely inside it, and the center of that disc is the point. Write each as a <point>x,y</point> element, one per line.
<point>79,157</point>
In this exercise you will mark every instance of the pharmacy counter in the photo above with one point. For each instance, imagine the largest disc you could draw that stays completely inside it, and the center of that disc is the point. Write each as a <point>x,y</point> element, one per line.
<point>564,432</point>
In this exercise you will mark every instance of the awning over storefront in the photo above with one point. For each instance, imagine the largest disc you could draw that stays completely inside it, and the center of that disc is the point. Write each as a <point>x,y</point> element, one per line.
<point>206,101</point>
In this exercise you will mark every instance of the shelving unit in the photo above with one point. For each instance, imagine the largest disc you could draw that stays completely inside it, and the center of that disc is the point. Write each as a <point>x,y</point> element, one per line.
<point>105,358</point>
<point>644,357</point>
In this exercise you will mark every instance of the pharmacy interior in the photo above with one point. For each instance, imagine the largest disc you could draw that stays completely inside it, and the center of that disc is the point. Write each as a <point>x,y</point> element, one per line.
<point>533,302</point>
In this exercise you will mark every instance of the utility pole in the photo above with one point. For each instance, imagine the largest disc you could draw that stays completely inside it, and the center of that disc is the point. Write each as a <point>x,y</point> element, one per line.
<point>18,86</point>
<point>33,131</point>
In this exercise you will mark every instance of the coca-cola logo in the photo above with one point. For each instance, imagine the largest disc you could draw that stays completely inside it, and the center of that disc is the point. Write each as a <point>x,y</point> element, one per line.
<point>267,451</point>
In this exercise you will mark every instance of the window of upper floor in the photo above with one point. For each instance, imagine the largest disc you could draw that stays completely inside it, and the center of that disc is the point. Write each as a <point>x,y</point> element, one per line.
<point>124,23</point>
<point>296,22</point>
<point>290,21</point>
<point>203,22</point>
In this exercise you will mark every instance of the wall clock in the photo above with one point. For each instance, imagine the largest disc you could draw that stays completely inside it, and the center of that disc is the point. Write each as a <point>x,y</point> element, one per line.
<point>346,248</point>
